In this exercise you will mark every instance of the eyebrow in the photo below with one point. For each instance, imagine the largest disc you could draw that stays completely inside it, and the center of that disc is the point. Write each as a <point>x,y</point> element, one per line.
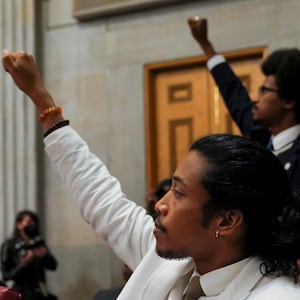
<point>178,180</point>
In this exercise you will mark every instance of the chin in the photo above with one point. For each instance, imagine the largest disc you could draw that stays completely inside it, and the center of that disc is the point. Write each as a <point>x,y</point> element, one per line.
<point>255,117</point>
<point>170,254</point>
<point>262,122</point>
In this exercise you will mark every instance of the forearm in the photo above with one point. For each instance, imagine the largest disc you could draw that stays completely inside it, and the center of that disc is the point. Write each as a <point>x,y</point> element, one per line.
<point>199,30</point>
<point>25,75</point>
<point>208,49</point>
<point>43,101</point>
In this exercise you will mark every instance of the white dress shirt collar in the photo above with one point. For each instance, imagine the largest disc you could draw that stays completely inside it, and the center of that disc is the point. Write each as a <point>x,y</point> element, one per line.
<point>214,282</point>
<point>284,140</point>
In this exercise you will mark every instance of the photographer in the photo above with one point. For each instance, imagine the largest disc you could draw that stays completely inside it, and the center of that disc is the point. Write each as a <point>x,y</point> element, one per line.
<point>25,257</point>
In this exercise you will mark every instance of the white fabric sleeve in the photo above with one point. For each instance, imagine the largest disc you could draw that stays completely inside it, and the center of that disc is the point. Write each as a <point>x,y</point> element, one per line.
<point>122,223</point>
<point>215,60</point>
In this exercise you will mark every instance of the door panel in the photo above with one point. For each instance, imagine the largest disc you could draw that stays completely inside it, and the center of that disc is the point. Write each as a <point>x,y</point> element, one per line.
<point>183,104</point>
<point>182,114</point>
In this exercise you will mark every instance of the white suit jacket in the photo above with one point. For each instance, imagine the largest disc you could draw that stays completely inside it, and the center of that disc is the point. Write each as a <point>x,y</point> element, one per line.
<point>129,231</point>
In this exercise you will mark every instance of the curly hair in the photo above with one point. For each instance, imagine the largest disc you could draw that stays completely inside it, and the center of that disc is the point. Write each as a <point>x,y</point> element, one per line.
<point>286,241</point>
<point>284,64</point>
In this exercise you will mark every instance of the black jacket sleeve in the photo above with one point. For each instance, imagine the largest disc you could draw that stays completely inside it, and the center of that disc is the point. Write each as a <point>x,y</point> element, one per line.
<point>10,265</point>
<point>238,102</point>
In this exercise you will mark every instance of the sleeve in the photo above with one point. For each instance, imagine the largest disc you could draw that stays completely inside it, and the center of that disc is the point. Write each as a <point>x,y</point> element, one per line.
<point>10,265</point>
<point>125,226</point>
<point>235,96</point>
<point>49,261</point>
<point>236,99</point>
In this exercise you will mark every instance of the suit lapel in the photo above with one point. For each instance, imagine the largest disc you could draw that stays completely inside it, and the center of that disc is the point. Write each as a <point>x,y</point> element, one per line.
<point>245,282</point>
<point>157,278</point>
<point>165,282</point>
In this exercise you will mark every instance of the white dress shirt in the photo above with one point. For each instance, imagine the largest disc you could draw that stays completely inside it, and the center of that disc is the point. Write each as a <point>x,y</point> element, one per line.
<point>285,139</point>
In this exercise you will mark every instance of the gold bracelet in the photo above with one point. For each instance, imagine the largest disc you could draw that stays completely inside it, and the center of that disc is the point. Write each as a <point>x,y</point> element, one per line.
<point>48,111</point>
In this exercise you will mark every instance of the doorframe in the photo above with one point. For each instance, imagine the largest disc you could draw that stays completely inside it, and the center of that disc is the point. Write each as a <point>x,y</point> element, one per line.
<point>150,72</point>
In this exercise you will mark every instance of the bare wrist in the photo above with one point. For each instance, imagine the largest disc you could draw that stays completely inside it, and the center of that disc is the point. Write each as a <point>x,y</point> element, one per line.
<point>42,99</point>
<point>207,48</point>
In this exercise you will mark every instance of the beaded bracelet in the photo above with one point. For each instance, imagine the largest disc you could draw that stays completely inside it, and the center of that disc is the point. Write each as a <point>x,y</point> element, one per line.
<point>57,125</point>
<point>49,111</point>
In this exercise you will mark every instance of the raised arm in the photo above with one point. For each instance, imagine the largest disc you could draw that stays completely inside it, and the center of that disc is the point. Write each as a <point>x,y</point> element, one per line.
<point>199,31</point>
<point>235,95</point>
<point>98,195</point>
<point>25,74</point>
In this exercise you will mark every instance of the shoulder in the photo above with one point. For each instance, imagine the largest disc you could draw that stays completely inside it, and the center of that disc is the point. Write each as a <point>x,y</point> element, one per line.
<point>277,289</point>
<point>9,242</point>
<point>296,144</point>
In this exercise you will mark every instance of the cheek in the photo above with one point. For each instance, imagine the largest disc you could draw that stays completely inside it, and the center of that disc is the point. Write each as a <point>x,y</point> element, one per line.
<point>187,224</point>
<point>265,102</point>
<point>196,239</point>
<point>271,103</point>
<point>266,108</point>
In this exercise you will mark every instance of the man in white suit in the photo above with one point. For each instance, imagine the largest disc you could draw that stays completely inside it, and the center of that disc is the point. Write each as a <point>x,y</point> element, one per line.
<point>219,227</point>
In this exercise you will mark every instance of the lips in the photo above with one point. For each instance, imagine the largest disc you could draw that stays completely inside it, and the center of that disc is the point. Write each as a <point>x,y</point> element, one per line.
<point>159,226</point>
<point>254,109</point>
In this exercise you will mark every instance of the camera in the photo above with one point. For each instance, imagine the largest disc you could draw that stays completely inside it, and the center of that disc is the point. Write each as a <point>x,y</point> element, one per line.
<point>36,240</point>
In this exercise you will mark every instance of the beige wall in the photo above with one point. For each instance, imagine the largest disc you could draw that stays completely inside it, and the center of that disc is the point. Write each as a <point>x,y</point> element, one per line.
<point>95,71</point>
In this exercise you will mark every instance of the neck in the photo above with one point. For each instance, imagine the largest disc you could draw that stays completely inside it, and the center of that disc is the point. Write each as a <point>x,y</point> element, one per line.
<point>276,129</point>
<point>223,259</point>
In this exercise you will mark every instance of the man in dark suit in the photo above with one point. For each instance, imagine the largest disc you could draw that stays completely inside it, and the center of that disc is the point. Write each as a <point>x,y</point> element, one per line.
<point>274,117</point>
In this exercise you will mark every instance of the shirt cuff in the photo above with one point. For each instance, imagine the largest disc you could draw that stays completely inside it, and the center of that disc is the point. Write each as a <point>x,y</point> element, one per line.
<point>215,60</point>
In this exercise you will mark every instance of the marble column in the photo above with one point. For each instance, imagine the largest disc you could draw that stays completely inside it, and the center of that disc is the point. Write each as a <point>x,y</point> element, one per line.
<point>18,150</point>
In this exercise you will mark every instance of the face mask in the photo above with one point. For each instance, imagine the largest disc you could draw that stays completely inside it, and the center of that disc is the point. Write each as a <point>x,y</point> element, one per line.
<point>31,230</point>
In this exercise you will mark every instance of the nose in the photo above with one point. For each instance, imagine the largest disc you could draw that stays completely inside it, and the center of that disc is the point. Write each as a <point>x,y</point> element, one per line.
<point>255,100</point>
<point>260,94</point>
<point>161,207</point>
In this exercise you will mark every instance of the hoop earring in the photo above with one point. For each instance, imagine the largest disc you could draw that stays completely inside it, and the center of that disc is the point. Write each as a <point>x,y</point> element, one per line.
<point>217,234</point>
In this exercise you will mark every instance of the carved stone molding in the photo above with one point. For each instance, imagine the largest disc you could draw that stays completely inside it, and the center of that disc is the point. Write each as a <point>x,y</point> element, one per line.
<point>88,9</point>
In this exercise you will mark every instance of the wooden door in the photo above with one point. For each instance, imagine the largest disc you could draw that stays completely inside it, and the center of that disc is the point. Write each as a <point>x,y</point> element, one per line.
<point>182,114</point>
<point>183,104</point>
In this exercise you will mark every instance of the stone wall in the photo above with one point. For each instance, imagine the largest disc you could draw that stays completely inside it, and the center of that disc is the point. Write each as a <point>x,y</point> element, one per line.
<point>95,71</point>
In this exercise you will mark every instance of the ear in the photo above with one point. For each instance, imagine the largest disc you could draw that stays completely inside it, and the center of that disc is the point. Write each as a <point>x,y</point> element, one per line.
<point>230,222</point>
<point>290,105</point>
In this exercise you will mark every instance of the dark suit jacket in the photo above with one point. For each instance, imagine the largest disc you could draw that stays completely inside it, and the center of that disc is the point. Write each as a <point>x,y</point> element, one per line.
<point>239,105</point>
<point>109,294</point>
